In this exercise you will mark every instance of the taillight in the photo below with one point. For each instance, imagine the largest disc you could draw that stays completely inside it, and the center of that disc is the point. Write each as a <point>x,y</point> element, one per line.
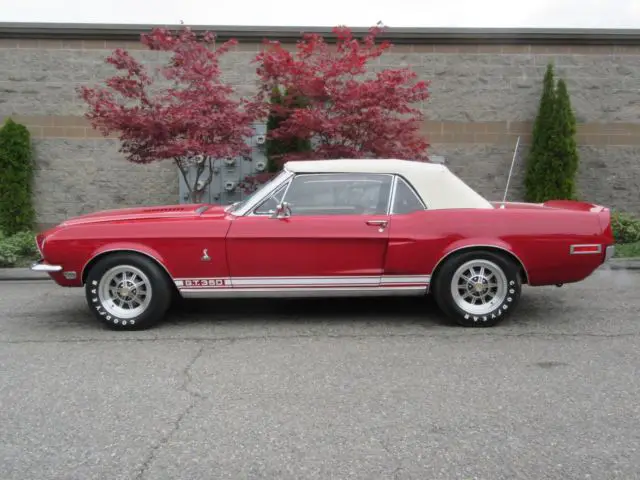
<point>585,249</point>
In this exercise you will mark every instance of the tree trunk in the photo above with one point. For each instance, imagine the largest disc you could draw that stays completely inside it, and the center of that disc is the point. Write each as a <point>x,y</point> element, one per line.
<point>198,186</point>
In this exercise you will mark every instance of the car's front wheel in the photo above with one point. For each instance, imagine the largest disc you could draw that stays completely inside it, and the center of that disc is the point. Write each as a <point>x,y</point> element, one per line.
<point>478,288</point>
<point>128,291</point>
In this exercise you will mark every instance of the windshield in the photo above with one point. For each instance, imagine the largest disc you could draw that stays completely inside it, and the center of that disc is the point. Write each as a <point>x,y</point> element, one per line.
<point>236,206</point>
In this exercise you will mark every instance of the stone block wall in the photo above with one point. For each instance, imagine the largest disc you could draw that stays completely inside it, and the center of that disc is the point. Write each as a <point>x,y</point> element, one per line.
<point>482,98</point>
<point>76,176</point>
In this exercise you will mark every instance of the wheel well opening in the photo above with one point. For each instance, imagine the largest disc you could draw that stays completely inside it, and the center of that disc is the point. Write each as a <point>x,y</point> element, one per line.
<point>100,256</point>
<point>496,250</point>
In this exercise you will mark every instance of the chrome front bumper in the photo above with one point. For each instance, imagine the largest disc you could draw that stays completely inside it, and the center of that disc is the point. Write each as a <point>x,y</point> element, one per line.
<point>39,266</point>
<point>609,252</point>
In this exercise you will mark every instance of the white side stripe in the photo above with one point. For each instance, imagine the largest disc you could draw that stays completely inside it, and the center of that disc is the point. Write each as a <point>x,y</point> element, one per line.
<point>301,281</point>
<point>391,279</point>
<point>291,282</point>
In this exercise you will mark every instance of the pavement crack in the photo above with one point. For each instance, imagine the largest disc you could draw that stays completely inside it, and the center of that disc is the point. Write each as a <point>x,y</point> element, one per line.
<point>187,378</point>
<point>195,398</point>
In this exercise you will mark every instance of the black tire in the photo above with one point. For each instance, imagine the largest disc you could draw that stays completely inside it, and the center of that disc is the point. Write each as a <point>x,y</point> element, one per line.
<point>157,284</point>
<point>507,272</point>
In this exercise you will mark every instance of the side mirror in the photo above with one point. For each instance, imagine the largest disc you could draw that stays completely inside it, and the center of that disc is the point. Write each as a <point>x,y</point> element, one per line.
<point>282,211</point>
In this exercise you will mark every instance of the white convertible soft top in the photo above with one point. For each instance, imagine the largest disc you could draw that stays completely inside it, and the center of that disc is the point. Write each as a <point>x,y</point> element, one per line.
<point>438,186</point>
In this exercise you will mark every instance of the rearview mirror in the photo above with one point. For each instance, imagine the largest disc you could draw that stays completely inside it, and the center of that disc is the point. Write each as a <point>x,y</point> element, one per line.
<point>283,210</point>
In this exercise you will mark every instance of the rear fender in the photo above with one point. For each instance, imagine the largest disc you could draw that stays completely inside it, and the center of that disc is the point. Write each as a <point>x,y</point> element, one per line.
<point>603,213</point>
<point>124,247</point>
<point>481,244</point>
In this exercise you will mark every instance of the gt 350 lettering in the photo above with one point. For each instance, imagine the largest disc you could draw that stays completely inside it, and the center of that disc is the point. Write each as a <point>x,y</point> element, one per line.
<point>205,282</point>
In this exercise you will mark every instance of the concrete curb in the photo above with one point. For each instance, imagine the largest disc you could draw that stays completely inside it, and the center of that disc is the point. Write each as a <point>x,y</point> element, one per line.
<point>623,264</point>
<point>26,275</point>
<point>21,274</point>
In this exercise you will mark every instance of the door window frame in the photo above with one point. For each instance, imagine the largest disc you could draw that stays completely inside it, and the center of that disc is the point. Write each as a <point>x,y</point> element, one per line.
<point>290,180</point>
<point>398,179</point>
<point>289,177</point>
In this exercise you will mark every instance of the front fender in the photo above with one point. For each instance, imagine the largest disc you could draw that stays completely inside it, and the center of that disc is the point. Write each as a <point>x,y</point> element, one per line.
<point>125,247</point>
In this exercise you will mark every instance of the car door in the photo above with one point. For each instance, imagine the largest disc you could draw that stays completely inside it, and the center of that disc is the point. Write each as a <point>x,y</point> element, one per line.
<point>334,235</point>
<point>414,242</point>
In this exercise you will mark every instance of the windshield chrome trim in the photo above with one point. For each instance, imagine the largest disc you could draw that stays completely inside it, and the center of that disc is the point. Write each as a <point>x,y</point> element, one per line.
<point>286,184</point>
<point>262,194</point>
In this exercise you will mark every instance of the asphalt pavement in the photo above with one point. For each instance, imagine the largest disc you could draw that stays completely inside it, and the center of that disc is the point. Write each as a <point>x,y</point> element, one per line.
<point>344,389</point>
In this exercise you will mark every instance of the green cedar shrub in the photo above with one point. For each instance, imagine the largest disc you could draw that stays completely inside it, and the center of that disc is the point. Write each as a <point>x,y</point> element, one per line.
<point>552,163</point>
<point>561,178</point>
<point>16,173</point>
<point>538,161</point>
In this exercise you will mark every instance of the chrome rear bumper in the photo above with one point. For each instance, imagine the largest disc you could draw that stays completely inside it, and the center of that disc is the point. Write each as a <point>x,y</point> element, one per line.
<point>39,266</point>
<point>609,252</point>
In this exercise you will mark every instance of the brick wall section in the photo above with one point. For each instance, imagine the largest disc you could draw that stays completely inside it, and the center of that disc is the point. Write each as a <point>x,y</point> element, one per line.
<point>483,83</point>
<point>470,85</point>
<point>482,98</point>
<point>486,166</point>
<point>621,133</point>
<point>76,176</point>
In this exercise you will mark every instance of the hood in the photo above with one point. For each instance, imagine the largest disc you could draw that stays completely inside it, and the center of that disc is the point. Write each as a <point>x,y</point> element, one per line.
<point>146,213</point>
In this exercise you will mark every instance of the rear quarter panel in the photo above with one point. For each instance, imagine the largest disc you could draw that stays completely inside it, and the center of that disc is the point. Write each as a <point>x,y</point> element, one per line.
<point>540,238</point>
<point>177,244</point>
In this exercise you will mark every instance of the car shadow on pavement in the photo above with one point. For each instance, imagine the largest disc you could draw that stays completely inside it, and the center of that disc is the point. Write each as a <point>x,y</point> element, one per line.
<point>423,311</point>
<point>379,309</point>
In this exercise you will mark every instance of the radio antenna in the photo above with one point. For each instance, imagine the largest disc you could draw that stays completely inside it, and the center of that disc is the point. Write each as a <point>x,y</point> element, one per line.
<point>513,160</point>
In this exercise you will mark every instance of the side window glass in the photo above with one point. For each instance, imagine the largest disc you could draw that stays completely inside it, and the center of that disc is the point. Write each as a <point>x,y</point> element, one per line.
<point>339,194</point>
<point>405,201</point>
<point>268,206</point>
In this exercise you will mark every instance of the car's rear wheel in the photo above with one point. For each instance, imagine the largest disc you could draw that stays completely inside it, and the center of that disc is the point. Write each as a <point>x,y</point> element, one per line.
<point>128,291</point>
<point>478,288</point>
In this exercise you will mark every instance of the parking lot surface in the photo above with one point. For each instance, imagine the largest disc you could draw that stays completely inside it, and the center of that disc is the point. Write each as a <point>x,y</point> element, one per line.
<point>345,389</point>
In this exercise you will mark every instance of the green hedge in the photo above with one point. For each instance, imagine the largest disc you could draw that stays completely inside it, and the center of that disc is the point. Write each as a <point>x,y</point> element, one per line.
<point>16,169</point>
<point>17,247</point>
<point>626,228</point>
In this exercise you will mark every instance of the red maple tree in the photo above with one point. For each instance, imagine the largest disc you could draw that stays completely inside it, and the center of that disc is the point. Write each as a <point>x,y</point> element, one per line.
<point>348,114</point>
<point>193,119</point>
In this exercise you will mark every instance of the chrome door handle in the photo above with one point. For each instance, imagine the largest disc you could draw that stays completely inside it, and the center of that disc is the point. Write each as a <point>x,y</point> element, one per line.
<point>381,223</point>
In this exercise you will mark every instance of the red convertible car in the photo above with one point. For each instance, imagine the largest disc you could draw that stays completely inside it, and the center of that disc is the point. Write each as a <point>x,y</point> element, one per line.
<point>330,228</point>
